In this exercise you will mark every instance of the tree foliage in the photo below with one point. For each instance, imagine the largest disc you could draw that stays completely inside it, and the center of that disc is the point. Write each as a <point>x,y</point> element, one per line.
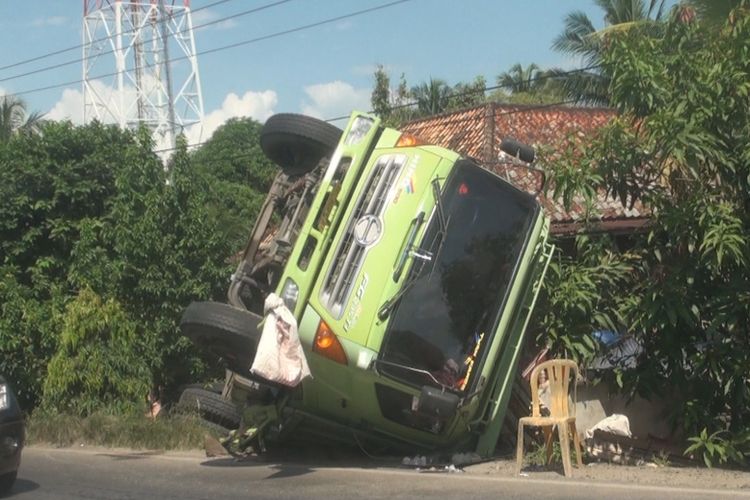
<point>582,40</point>
<point>93,208</point>
<point>15,119</point>
<point>238,176</point>
<point>98,365</point>
<point>681,147</point>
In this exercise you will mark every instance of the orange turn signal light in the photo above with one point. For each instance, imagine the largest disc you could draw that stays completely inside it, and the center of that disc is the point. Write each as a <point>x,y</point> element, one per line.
<point>327,344</point>
<point>408,140</point>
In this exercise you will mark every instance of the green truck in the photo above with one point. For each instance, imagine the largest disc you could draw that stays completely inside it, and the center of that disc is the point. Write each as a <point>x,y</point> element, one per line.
<point>412,273</point>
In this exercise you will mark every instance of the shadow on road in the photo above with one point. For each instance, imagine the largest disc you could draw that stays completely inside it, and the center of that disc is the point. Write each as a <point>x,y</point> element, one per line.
<point>299,461</point>
<point>22,486</point>
<point>131,456</point>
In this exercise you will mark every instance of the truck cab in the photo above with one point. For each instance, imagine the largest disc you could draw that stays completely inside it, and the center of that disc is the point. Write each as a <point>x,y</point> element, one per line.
<point>411,272</point>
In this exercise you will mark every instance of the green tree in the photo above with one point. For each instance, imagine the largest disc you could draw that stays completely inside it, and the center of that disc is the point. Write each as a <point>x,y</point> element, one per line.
<point>393,106</point>
<point>432,97</point>
<point>53,184</point>
<point>237,175</point>
<point>98,366</point>
<point>681,147</point>
<point>528,85</point>
<point>380,99</point>
<point>90,208</point>
<point>713,13</point>
<point>158,248</point>
<point>519,79</point>
<point>468,94</point>
<point>14,118</point>
<point>581,39</point>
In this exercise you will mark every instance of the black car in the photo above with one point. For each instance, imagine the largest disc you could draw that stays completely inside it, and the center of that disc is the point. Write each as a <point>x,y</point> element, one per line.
<point>11,436</point>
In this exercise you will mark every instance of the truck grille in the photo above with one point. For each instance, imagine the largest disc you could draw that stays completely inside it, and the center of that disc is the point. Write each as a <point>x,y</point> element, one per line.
<point>350,254</point>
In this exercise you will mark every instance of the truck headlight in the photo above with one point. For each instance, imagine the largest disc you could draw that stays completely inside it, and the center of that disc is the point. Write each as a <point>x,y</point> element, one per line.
<point>358,130</point>
<point>4,399</point>
<point>290,294</point>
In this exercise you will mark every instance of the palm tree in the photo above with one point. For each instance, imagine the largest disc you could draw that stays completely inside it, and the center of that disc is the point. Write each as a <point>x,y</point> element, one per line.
<point>432,97</point>
<point>519,79</point>
<point>14,119</point>
<point>580,38</point>
<point>713,12</point>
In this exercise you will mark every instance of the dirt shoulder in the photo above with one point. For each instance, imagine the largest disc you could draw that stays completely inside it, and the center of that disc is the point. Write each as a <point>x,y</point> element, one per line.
<point>649,474</point>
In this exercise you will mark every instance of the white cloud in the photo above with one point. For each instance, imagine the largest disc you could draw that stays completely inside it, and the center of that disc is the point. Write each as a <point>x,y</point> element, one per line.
<point>49,21</point>
<point>69,107</point>
<point>204,16</point>
<point>257,105</point>
<point>335,99</point>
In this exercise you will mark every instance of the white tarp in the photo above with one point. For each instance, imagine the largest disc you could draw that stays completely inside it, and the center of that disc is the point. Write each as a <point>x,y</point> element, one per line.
<point>279,357</point>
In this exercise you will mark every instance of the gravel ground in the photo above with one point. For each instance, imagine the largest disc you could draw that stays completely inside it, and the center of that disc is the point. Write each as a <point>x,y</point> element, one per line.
<point>649,474</point>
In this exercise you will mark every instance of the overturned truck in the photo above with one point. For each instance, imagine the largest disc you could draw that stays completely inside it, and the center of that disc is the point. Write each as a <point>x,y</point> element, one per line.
<point>411,272</point>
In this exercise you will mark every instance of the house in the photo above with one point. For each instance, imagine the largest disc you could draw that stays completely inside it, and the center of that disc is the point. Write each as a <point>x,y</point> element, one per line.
<point>477,132</point>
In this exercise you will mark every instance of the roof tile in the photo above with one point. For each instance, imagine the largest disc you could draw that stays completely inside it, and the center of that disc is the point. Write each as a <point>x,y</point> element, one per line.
<point>467,131</point>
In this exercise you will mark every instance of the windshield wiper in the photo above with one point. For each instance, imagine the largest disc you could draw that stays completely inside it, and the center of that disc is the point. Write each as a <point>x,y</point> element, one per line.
<point>420,253</point>
<point>385,309</point>
<point>439,205</point>
<point>411,369</point>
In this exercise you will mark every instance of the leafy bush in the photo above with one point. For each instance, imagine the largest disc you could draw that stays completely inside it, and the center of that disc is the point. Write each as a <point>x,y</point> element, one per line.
<point>681,147</point>
<point>92,208</point>
<point>98,365</point>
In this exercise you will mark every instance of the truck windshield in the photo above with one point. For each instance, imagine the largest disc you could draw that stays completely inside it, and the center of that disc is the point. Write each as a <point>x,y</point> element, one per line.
<point>444,319</point>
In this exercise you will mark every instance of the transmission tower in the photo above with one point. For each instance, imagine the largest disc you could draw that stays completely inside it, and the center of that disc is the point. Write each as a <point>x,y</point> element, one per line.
<point>134,43</point>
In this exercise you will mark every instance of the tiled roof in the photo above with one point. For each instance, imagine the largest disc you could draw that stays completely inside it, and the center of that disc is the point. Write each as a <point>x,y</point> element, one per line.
<point>477,132</point>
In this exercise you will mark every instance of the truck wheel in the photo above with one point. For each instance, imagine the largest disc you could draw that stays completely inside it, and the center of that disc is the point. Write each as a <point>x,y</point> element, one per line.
<point>226,331</point>
<point>211,407</point>
<point>297,143</point>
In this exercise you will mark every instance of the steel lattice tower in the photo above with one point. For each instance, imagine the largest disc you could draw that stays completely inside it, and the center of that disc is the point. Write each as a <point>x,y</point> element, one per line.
<point>140,66</point>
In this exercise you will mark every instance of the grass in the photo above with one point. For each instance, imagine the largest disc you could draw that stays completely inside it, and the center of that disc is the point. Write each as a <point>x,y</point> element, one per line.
<point>538,455</point>
<point>168,432</point>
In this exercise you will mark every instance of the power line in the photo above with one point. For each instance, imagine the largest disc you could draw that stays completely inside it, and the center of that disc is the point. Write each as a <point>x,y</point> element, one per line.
<point>522,109</point>
<point>74,47</point>
<point>542,77</point>
<point>208,23</point>
<point>233,45</point>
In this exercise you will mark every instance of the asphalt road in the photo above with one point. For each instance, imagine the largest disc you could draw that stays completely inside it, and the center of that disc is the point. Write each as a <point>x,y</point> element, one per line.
<point>106,474</point>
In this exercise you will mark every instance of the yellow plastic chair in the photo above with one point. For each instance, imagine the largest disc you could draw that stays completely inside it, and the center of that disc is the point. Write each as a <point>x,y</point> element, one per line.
<point>561,415</point>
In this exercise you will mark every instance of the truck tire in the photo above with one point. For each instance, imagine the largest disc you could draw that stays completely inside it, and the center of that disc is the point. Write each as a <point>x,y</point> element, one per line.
<point>211,407</point>
<point>297,143</point>
<point>226,331</point>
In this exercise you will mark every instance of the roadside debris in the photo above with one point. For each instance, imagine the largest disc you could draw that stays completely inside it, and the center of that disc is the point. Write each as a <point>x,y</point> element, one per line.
<point>616,424</point>
<point>611,440</point>
<point>279,357</point>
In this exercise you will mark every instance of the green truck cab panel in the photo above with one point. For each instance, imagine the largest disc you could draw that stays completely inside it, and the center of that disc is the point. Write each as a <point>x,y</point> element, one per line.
<point>425,267</point>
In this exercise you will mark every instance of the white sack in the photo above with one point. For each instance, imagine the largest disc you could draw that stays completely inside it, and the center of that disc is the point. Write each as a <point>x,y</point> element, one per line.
<point>279,357</point>
<point>614,424</point>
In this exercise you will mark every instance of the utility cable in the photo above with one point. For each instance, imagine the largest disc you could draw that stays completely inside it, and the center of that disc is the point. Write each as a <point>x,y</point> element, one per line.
<point>230,46</point>
<point>523,108</point>
<point>187,30</point>
<point>74,47</point>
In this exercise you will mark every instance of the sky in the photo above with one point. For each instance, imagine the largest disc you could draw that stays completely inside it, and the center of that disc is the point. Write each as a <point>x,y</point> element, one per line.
<point>325,71</point>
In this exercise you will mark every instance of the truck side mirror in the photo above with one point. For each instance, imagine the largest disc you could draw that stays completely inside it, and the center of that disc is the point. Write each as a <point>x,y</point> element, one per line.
<point>522,151</point>
<point>436,403</point>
